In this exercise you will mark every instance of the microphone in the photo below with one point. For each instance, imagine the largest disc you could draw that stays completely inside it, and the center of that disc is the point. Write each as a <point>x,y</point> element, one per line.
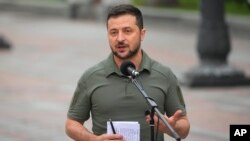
<point>128,68</point>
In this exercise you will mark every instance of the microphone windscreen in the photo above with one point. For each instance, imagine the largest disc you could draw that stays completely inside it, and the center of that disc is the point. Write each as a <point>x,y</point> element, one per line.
<point>124,67</point>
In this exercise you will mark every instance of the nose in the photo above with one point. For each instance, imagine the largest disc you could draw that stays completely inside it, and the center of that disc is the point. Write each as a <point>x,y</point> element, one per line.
<point>120,37</point>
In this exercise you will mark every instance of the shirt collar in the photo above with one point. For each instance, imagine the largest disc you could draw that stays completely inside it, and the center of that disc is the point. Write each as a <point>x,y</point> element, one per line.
<point>146,62</point>
<point>111,68</point>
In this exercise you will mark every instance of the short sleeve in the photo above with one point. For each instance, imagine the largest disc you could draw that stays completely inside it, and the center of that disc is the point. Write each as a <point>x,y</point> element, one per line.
<point>80,104</point>
<point>174,98</point>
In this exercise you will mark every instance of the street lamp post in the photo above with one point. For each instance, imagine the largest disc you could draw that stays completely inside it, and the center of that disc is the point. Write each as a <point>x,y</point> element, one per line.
<point>213,48</point>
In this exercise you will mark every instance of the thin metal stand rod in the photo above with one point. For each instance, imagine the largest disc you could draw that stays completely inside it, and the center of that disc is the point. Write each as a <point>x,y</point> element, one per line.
<point>154,106</point>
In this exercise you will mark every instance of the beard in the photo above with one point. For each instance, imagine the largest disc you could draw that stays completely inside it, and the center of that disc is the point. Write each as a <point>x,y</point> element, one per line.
<point>130,54</point>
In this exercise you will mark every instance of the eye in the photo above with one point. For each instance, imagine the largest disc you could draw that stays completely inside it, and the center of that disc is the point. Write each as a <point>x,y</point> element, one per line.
<point>128,30</point>
<point>113,32</point>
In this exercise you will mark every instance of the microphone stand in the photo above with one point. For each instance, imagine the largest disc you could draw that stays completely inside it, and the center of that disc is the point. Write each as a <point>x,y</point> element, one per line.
<point>154,108</point>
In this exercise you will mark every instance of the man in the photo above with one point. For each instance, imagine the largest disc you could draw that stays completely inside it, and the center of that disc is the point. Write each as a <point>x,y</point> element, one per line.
<point>106,93</point>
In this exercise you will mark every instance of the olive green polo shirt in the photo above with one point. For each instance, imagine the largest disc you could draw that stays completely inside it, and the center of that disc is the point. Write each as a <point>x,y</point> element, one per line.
<point>105,93</point>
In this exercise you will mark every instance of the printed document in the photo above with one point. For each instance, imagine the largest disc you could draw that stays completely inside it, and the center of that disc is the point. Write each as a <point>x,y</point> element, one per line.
<point>129,129</point>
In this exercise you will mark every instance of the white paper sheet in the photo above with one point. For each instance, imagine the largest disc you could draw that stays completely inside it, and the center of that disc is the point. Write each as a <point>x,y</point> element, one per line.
<point>129,129</point>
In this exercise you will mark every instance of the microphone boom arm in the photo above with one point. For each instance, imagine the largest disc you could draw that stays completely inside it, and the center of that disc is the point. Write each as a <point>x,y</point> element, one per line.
<point>154,107</point>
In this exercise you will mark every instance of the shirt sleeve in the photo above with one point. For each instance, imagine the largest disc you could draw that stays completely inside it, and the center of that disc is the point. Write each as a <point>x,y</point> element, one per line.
<point>174,98</point>
<point>80,104</point>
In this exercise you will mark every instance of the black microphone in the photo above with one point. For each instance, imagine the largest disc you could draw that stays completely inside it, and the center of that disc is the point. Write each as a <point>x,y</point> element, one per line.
<point>128,68</point>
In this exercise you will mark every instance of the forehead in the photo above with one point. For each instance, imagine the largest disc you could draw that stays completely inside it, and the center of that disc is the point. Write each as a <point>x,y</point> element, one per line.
<point>121,21</point>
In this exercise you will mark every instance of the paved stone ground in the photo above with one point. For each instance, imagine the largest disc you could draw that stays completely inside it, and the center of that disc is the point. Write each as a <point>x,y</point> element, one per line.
<point>39,74</point>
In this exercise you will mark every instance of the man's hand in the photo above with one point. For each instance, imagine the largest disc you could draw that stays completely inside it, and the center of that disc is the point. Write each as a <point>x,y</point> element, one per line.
<point>178,121</point>
<point>110,137</point>
<point>78,132</point>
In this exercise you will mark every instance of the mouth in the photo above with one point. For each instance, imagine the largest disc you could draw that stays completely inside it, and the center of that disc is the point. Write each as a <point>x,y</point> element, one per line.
<point>121,46</point>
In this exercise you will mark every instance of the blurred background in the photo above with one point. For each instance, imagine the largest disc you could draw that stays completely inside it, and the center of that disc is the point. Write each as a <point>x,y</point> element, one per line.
<point>46,45</point>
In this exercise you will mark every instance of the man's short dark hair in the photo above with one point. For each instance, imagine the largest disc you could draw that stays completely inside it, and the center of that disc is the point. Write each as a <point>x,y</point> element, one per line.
<point>126,9</point>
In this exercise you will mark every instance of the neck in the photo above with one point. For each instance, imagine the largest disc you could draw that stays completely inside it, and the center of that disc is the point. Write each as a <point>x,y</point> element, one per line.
<point>136,59</point>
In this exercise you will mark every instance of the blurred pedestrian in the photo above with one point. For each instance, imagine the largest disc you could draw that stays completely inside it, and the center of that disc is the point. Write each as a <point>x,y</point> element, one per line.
<point>4,44</point>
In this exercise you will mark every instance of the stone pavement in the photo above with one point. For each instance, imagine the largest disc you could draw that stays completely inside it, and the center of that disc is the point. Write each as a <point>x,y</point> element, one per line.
<point>39,74</point>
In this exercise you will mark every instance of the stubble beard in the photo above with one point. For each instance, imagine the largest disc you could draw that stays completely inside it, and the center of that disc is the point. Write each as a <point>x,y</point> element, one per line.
<point>129,55</point>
